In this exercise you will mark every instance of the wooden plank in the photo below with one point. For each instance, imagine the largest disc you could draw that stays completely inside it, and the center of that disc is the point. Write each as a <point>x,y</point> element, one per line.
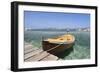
<point>28,46</point>
<point>30,50</point>
<point>27,51</point>
<point>38,57</point>
<point>32,53</point>
<point>50,58</point>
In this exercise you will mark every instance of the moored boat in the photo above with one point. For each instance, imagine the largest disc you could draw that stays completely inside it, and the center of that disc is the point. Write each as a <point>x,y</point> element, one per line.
<point>58,44</point>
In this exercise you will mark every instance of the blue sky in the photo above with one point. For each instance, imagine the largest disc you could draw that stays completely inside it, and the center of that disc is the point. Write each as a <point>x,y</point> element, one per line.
<point>42,20</point>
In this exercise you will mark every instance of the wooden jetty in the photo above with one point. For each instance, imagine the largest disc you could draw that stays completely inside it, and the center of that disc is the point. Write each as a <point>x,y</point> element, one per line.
<point>32,53</point>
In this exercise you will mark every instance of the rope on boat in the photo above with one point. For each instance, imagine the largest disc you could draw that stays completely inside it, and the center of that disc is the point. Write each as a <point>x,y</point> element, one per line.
<point>53,47</point>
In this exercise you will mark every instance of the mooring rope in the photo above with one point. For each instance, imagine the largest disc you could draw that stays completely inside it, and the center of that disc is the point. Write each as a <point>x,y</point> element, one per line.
<point>53,47</point>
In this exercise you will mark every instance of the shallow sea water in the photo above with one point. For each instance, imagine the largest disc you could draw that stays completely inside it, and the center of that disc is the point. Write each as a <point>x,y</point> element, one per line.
<point>81,48</point>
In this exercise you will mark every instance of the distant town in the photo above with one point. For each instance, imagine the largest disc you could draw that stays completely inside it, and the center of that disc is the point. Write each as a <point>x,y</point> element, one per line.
<point>56,29</point>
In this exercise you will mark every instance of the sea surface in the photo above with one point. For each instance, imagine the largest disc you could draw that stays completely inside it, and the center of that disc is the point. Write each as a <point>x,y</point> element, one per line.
<point>81,48</point>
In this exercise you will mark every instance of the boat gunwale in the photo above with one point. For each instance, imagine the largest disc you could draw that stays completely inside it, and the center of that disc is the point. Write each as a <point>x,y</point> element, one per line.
<point>62,42</point>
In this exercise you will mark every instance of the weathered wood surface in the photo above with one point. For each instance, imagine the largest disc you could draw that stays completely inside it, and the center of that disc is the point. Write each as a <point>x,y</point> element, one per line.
<point>32,53</point>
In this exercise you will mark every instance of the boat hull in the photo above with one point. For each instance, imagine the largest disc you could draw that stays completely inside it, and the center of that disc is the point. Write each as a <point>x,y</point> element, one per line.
<point>57,50</point>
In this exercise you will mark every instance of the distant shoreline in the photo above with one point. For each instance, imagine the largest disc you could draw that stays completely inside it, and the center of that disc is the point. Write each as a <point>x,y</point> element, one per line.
<point>55,29</point>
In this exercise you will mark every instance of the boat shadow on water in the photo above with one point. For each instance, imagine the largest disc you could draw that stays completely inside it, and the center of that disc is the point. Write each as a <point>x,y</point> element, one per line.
<point>65,53</point>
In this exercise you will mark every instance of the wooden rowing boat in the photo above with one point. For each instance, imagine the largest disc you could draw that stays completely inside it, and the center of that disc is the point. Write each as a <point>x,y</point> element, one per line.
<point>58,44</point>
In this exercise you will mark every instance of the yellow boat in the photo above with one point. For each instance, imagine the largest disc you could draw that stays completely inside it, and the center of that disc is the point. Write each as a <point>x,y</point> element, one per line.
<point>58,44</point>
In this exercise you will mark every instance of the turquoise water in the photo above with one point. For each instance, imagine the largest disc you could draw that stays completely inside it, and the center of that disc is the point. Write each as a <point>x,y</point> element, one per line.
<point>81,48</point>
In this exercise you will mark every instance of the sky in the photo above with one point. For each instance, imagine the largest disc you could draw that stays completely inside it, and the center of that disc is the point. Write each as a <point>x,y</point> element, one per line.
<point>43,20</point>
